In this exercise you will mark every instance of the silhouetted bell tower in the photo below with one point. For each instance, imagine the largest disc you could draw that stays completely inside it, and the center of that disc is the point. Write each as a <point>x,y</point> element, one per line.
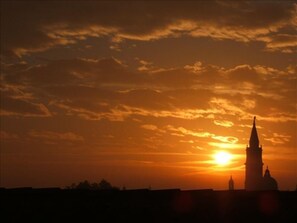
<point>254,164</point>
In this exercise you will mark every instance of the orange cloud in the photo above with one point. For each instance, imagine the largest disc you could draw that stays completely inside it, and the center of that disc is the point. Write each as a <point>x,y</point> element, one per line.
<point>286,43</point>
<point>223,123</point>
<point>278,138</point>
<point>184,132</point>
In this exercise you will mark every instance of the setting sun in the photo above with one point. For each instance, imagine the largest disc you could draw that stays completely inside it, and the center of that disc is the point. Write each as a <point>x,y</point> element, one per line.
<point>222,158</point>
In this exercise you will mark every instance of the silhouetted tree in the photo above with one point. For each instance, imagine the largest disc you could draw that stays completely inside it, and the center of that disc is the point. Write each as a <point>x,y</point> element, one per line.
<point>94,186</point>
<point>104,185</point>
<point>72,186</point>
<point>86,185</point>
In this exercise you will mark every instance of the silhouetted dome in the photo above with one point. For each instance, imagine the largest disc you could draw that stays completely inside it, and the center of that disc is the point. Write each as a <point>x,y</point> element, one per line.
<point>269,183</point>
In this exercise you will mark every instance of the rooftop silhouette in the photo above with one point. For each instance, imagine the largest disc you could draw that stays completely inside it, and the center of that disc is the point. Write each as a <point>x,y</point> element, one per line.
<point>54,205</point>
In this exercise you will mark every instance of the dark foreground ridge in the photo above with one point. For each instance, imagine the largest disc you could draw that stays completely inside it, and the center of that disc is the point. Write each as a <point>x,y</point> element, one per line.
<point>57,205</point>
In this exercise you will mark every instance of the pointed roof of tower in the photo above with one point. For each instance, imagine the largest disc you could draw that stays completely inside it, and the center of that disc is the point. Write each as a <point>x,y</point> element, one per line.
<point>254,140</point>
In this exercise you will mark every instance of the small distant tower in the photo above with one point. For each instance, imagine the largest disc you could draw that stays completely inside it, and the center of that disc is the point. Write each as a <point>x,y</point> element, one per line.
<point>231,183</point>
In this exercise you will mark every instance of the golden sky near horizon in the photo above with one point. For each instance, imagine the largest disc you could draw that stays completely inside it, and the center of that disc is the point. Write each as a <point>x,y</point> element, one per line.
<point>146,94</point>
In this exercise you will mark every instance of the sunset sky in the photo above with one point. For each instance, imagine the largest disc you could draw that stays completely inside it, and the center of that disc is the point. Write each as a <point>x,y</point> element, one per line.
<point>145,94</point>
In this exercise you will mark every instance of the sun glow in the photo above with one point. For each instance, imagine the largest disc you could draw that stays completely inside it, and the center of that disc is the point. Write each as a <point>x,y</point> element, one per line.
<point>222,158</point>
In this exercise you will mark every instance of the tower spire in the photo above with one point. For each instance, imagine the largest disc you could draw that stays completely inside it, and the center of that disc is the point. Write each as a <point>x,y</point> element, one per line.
<point>254,140</point>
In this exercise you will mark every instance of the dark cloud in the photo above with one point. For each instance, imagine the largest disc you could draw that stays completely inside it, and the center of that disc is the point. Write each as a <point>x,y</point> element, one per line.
<point>153,99</point>
<point>244,73</point>
<point>75,71</point>
<point>31,26</point>
<point>56,137</point>
<point>17,107</point>
<point>285,42</point>
<point>176,78</point>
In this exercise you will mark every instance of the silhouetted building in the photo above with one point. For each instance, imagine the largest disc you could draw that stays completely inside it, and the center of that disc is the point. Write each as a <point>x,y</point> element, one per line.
<point>231,184</point>
<point>253,165</point>
<point>269,183</point>
<point>254,179</point>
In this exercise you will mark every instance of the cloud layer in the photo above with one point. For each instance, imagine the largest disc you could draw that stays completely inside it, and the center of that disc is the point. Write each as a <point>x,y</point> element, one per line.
<point>107,89</point>
<point>46,24</point>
